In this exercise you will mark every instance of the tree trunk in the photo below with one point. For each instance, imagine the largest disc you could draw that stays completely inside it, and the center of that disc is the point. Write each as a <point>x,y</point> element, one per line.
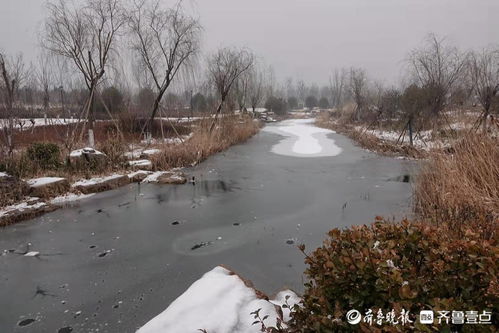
<point>219,109</point>
<point>410,131</point>
<point>484,121</point>
<point>91,118</point>
<point>155,108</point>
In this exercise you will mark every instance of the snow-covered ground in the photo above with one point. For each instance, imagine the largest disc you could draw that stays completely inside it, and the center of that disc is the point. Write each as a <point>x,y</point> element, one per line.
<point>31,203</point>
<point>422,140</point>
<point>97,180</point>
<point>35,122</point>
<point>69,197</point>
<point>173,141</point>
<point>37,182</point>
<point>303,139</point>
<point>140,163</point>
<point>87,150</point>
<point>219,302</point>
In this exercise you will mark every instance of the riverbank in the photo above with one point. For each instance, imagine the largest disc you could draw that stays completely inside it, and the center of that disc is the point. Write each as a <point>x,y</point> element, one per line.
<point>93,171</point>
<point>390,140</point>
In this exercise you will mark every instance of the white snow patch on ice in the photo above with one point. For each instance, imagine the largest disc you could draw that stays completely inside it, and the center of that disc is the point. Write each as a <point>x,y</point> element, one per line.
<point>93,181</point>
<point>37,182</point>
<point>218,302</point>
<point>303,139</point>
<point>70,197</point>
<point>21,207</point>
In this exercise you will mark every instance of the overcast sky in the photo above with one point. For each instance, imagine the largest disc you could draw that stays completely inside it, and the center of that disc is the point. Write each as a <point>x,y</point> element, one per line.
<point>306,39</point>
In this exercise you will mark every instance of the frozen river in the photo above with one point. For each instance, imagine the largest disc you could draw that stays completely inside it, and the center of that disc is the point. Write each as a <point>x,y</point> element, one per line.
<point>113,261</point>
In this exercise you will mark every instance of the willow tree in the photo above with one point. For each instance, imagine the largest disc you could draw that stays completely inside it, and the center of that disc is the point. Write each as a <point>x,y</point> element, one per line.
<point>484,74</point>
<point>12,74</point>
<point>166,41</point>
<point>225,67</point>
<point>437,67</point>
<point>85,33</point>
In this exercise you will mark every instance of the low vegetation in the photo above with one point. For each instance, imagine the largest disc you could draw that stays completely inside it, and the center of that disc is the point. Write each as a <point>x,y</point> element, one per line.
<point>204,143</point>
<point>51,159</point>
<point>385,266</point>
<point>366,140</point>
<point>462,188</point>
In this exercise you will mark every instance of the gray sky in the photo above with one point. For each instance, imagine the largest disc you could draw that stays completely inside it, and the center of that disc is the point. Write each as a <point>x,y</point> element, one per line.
<point>306,39</point>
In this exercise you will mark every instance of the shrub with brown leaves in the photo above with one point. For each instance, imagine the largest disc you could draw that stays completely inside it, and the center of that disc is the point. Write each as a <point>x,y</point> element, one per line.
<point>411,266</point>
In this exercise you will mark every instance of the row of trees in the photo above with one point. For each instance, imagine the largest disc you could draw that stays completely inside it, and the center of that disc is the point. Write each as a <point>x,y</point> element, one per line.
<point>85,66</point>
<point>88,39</point>
<point>439,76</point>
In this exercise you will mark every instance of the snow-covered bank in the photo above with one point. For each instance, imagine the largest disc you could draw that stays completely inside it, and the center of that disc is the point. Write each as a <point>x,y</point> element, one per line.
<point>220,302</point>
<point>303,139</point>
<point>69,197</point>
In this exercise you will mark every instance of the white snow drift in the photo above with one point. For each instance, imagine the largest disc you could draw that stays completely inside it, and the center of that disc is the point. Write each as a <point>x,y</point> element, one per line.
<point>303,139</point>
<point>218,302</point>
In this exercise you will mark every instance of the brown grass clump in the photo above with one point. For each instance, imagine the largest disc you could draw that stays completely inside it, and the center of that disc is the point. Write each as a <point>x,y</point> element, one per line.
<point>230,131</point>
<point>462,188</point>
<point>365,140</point>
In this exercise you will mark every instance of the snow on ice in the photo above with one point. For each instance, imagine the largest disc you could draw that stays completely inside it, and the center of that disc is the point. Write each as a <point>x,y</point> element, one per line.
<point>303,139</point>
<point>218,302</point>
<point>93,181</point>
<point>70,197</point>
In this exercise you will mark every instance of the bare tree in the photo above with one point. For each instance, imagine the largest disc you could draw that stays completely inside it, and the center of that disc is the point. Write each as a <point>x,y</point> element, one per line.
<point>85,34</point>
<point>166,41</point>
<point>437,67</point>
<point>484,74</point>
<point>13,73</point>
<point>337,85</point>
<point>302,90</point>
<point>256,88</point>
<point>225,67</point>
<point>358,87</point>
<point>44,78</point>
<point>242,89</point>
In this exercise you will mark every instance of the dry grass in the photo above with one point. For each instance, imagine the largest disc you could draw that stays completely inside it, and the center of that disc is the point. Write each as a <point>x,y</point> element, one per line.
<point>462,188</point>
<point>230,131</point>
<point>368,141</point>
